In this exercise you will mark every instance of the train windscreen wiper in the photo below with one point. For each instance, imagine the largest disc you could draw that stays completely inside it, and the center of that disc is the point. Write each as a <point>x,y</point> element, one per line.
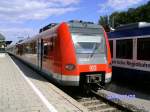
<point>94,49</point>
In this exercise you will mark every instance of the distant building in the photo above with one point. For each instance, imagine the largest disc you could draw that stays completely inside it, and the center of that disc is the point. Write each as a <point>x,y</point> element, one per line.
<point>2,37</point>
<point>2,43</point>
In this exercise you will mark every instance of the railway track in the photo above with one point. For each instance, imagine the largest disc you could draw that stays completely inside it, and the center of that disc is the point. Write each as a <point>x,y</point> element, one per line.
<point>95,103</point>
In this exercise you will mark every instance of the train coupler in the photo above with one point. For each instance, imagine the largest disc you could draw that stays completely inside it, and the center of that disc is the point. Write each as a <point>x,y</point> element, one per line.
<point>94,78</point>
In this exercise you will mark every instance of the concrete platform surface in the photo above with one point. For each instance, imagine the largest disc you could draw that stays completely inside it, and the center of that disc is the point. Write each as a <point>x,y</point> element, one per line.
<point>127,100</point>
<point>23,90</point>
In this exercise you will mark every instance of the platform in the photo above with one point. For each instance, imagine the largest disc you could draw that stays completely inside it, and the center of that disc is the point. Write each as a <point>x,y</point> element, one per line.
<point>132,102</point>
<point>23,90</point>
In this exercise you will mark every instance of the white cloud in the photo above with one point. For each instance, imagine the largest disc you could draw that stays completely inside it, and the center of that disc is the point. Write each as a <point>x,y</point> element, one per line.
<point>21,10</point>
<point>14,33</point>
<point>117,5</point>
<point>15,13</point>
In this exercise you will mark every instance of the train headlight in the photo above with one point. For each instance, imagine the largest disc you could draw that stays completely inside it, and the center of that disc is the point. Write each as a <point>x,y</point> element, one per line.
<point>70,67</point>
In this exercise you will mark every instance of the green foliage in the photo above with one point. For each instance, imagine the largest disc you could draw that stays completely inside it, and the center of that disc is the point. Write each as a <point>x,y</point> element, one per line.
<point>140,14</point>
<point>104,22</point>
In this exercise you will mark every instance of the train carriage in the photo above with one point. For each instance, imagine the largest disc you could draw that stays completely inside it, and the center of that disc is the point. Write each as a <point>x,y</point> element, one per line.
<point>130,45</point>
<point>72,53</point>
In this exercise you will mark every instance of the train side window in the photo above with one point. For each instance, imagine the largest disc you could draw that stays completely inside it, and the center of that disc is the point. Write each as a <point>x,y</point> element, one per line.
<point>143,47</point>
<point>25,48</point>
<point>111,47</point>
<point>124,49</point>
<point>33,47</point>
<point>29,48</point>
<point>47,47</point>
<point>20,50</point>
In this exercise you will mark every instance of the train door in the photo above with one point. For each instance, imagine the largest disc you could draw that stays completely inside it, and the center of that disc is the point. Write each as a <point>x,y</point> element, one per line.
<point>46,62</point>
<point>39,52</point>
<point>51,60</point>
<point>56,56</point>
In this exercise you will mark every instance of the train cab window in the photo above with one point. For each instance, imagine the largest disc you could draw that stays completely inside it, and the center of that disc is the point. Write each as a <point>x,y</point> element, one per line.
<point>143,47</point>
<point>111,47</point>
<point>89,44</point>
<point>124,49</point>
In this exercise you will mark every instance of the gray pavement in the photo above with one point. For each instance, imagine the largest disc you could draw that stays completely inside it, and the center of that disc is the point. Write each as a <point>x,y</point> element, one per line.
<point>16,95</point>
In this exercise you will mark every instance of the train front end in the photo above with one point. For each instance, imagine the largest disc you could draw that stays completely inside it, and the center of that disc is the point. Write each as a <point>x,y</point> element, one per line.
<point>88,59</point>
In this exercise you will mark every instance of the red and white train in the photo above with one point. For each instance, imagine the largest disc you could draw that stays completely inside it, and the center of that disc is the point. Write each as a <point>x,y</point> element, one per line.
<point>72,53</point>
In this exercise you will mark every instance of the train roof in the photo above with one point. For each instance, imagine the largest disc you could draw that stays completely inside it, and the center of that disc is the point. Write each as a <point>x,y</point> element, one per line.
<point>84,27</point>
<point>131,30</point>
<point>83,24</point>
<point>26,40</point>
<point>73,24</point>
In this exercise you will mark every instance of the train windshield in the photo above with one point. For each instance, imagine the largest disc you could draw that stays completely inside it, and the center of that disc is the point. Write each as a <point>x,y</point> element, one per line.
<point>91,44</point>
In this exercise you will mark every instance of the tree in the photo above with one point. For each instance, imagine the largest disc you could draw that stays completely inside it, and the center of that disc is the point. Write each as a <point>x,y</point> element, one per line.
<point>104,22</point>
<point>133,15</point>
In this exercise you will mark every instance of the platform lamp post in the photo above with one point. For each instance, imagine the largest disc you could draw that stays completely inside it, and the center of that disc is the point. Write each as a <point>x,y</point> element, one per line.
<point>113,22</point>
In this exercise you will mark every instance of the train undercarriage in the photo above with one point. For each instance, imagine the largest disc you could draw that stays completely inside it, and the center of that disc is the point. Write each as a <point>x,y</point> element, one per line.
<point>93,80</point>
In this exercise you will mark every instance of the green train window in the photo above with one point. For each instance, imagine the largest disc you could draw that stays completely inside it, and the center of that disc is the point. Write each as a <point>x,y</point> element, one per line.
<point>124,49</point>
<point>143,47</point>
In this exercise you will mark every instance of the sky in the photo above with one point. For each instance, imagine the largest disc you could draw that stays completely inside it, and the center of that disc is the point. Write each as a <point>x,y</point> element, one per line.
<point>24,18</point>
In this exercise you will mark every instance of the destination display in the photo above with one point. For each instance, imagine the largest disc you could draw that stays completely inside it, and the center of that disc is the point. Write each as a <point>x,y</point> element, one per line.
<point>141,65</point>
